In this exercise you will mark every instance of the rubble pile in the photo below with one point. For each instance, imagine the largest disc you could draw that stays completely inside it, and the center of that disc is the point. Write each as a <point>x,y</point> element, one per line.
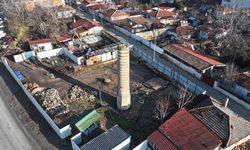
<point>51,101</point>
<point>77,93</point>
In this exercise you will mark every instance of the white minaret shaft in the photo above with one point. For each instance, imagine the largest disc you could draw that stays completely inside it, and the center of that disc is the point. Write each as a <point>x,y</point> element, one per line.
<point>123,94</point>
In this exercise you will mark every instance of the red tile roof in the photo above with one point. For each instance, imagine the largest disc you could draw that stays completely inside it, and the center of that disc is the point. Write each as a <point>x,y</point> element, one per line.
<point>161,13</point>
<point>114,13</point>
<point>109,12</point>
<point>166,8</point>
<point>186,28</point>
<point>188,132</point>
<point>161,142</point>
<point>64,37</point>
<point>41,41</point>
<point>84,23</point>
<point>140,20</point>
<point>96,6</point>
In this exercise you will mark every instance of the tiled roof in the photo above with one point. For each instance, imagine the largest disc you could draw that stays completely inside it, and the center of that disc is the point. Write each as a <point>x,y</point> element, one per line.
<point>107,140</point>
<point>161,13</point>
<point>41,41</point>
<point>140,20</point>
<point>191,57</point>
<point>184,28</point>
<point>64,37</point>
<point>161,142</point>
<point>96,6</point>
<point>84,23</point>
<point>188,132</point>
<point>114,13</point>
<point>109,12</point>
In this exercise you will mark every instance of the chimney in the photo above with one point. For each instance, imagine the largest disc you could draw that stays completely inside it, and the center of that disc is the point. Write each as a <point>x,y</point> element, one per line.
<point>226,102</point>
<point>123,93</point>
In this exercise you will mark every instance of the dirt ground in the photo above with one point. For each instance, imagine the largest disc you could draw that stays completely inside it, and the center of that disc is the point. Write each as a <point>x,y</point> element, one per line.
<point>139,120</point>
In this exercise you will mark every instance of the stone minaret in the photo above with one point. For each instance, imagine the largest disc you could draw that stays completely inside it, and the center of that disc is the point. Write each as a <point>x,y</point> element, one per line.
<point>123,93</point>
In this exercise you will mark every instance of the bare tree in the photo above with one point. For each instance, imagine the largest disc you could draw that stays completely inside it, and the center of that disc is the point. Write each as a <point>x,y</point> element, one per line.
<point>41,21</point>
<point>184,97</point>
<point>229,73</point>
<point>162,108</point>
<point>236,24</point>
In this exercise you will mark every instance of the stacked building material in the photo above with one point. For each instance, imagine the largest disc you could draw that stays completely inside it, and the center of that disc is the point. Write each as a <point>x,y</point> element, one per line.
<point>76,93</point>
<point>51,101</point>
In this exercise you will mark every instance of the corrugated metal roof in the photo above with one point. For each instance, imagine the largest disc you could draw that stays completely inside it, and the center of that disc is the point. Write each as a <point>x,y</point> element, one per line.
<point>87,121</point>
<point>211,116</point>
<point>156,139</point>
<point>107,140</point>
<point>188,132</point>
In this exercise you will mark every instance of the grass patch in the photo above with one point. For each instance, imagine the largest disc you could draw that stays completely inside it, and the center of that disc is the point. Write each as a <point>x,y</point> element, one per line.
<point>129,126</point>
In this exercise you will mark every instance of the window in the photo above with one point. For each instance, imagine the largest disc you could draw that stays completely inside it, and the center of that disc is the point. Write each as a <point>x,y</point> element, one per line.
<point>248,94</point>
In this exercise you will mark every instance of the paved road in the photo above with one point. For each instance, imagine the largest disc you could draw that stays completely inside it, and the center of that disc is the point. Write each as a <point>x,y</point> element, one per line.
<point>233,106</point>
<point>13,135</point>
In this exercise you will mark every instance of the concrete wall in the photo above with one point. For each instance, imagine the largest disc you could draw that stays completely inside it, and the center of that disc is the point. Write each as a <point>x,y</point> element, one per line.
<point>181,80</point>
<point>142,146</point>
<point>75,140</point>
<point>50,53</point>
<point>62,133</point>
<point>231,96</point>
<point>242,92</point>
<point>72,56</point>
<point>23,56</point>
<point>38,47</point>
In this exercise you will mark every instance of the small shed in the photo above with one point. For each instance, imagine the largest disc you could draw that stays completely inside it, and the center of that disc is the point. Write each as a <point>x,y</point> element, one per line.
<point>87,121</point>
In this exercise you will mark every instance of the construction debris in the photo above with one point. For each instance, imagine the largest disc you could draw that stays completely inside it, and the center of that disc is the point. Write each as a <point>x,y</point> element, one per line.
<point>76,93</point>
<point>31,86</point>
<point>51,102</point>
<point>156,83</point>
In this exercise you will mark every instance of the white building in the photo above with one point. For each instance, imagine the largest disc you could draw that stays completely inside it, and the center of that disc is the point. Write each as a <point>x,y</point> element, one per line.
<point>41,45</point>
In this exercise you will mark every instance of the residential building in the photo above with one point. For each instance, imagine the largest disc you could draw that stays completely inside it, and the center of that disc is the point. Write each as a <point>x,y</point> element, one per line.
<point>236,3</point>
<point>184,32</point>
<point>41,45</point>
<point>135,24</point>
<point>164,16</point>
<point>191,61</point>
<point>113,15</point>
<point>84,27</point>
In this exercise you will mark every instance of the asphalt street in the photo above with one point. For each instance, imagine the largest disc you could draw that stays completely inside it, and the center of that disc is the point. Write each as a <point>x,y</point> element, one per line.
<point>13,135</point>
